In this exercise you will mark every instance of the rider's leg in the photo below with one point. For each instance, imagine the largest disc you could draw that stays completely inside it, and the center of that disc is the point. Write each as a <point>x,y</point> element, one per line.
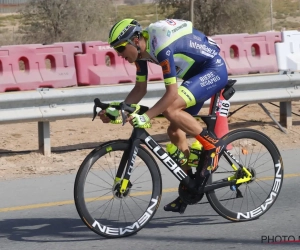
<point>196,90</point>
<point>192,92</point>
<point>178,138</point>
<point>211,144</point>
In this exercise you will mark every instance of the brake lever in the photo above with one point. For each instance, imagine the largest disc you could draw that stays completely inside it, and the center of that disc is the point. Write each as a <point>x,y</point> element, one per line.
<point>95,112</point>
<point>124,117</point>
<point>125,107</point>
<point>99,104</point>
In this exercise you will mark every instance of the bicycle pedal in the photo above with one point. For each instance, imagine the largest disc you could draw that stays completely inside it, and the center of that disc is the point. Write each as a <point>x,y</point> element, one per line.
<point>182,208</point>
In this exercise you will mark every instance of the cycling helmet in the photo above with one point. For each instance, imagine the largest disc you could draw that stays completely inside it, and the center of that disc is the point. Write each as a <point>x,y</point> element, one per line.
<point>123,31</point>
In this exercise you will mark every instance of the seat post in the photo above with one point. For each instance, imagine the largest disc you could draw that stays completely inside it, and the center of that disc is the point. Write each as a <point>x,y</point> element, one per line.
<point>215,100</point>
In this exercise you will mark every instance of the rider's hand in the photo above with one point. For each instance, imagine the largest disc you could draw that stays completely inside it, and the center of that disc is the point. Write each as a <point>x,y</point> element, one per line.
<point>103,116</point>
<point>139,121</point>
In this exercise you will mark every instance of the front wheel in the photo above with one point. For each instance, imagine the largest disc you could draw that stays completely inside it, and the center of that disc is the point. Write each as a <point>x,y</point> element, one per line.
<point>98,201</point>
<point>259,155</point>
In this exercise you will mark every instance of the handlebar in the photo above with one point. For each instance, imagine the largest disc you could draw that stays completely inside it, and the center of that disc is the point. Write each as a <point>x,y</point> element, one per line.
<point>122,106</point>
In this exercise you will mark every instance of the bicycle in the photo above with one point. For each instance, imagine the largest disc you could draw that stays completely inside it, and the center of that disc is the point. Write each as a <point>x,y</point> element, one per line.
<point>121,201</point>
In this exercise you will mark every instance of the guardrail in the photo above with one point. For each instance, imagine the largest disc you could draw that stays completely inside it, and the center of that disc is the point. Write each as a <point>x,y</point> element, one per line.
<point>46,105</point>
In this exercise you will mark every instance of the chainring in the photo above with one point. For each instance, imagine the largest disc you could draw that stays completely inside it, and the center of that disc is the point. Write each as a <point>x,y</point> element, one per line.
<point>187,197</point>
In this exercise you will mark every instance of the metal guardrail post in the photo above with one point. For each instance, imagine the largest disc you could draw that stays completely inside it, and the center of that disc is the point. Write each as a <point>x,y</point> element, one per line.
<point>272,117</point>
<point>286,114</point>
<point>44,138</point>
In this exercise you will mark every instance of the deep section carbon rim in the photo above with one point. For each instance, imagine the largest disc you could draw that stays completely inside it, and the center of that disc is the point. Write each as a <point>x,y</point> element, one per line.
<point>98,201</point>
<point>249,200</point>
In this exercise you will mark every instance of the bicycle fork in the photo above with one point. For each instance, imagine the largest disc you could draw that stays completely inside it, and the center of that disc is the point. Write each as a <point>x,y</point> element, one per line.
<point>127,160</point>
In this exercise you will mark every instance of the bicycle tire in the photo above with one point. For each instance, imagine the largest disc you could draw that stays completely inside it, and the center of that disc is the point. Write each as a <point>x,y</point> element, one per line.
<point>273,162</point>
<point>102,226</point>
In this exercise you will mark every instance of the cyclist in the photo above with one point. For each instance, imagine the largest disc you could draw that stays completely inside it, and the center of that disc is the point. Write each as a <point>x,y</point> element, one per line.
<point>182,52</point>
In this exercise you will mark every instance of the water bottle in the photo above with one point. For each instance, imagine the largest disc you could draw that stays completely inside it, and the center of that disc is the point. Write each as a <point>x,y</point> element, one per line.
<point>195,152</point>
<point>176,154</point>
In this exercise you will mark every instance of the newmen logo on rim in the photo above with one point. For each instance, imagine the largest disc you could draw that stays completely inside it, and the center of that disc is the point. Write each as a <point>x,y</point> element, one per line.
<point>165,64</point>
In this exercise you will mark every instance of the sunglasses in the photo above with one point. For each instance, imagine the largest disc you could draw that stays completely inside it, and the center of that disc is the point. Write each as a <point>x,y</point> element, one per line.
<point>121,47</point>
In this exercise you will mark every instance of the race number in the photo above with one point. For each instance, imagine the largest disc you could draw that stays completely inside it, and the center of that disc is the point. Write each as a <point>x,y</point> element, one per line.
<point>224,106</point>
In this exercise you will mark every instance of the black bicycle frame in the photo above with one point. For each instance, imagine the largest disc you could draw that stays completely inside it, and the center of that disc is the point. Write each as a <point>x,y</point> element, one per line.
<point>141,136</point>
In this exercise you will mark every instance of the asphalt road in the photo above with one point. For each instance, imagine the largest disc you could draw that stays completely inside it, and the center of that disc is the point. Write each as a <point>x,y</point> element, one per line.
<point>40,214</point>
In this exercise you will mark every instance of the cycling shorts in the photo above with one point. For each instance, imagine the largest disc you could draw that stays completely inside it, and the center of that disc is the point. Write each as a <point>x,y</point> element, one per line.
<point>196,90</point>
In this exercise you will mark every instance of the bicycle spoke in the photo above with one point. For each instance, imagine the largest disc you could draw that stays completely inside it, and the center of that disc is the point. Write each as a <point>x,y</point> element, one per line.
<point>251,195</point>
<point>102,206</point>
<point>123,202</point>
<point>111,208</point>
<point>97,198</point>
<point>258,155</point>
<point>233,199</point>
<point>111,174</point>
<point>130,210</point>
<point>117,211</point>
<point>104,169</point>
<point>256,195</point>
<point>265,171</point>
<point>139,177</point>
<point>98,185</point>
<point>97,191</point>
<point>142,182</point>
<point>138,199</point>
<point>100,178</point>
<point>264,183</point>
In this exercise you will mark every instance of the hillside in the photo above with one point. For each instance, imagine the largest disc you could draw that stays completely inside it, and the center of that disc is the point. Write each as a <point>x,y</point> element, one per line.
<point>286,15</point>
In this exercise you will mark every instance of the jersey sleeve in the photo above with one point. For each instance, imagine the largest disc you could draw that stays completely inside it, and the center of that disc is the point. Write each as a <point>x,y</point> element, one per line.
<point>141,71</point>
<point>166,61</point>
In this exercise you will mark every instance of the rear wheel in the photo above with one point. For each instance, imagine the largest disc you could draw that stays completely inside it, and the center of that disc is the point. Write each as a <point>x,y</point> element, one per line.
<point>247,201</point>
<point>98,200</point>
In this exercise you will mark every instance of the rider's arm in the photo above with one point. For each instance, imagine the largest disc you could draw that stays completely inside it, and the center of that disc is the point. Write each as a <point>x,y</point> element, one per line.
<point>166,61</point>
<point>140,88</point>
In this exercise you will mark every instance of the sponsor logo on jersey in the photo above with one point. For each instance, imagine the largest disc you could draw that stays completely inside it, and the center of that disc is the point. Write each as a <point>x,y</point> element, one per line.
<point>187,95</point>
<point>166,68</point>
<point>154,42</point>
<point>171,22</point>
<point>209,79</point>
<point>209,52</point>
<point>179,27</point>
<point>197,38</point>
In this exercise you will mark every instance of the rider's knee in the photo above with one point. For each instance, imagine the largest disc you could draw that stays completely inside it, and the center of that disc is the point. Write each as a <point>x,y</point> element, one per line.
<point>177,106</point>
<point>171,112</point>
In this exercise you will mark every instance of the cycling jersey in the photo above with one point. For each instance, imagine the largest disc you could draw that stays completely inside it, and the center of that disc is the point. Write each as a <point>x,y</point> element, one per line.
<point>186,53</point>
<point>178,48</point>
